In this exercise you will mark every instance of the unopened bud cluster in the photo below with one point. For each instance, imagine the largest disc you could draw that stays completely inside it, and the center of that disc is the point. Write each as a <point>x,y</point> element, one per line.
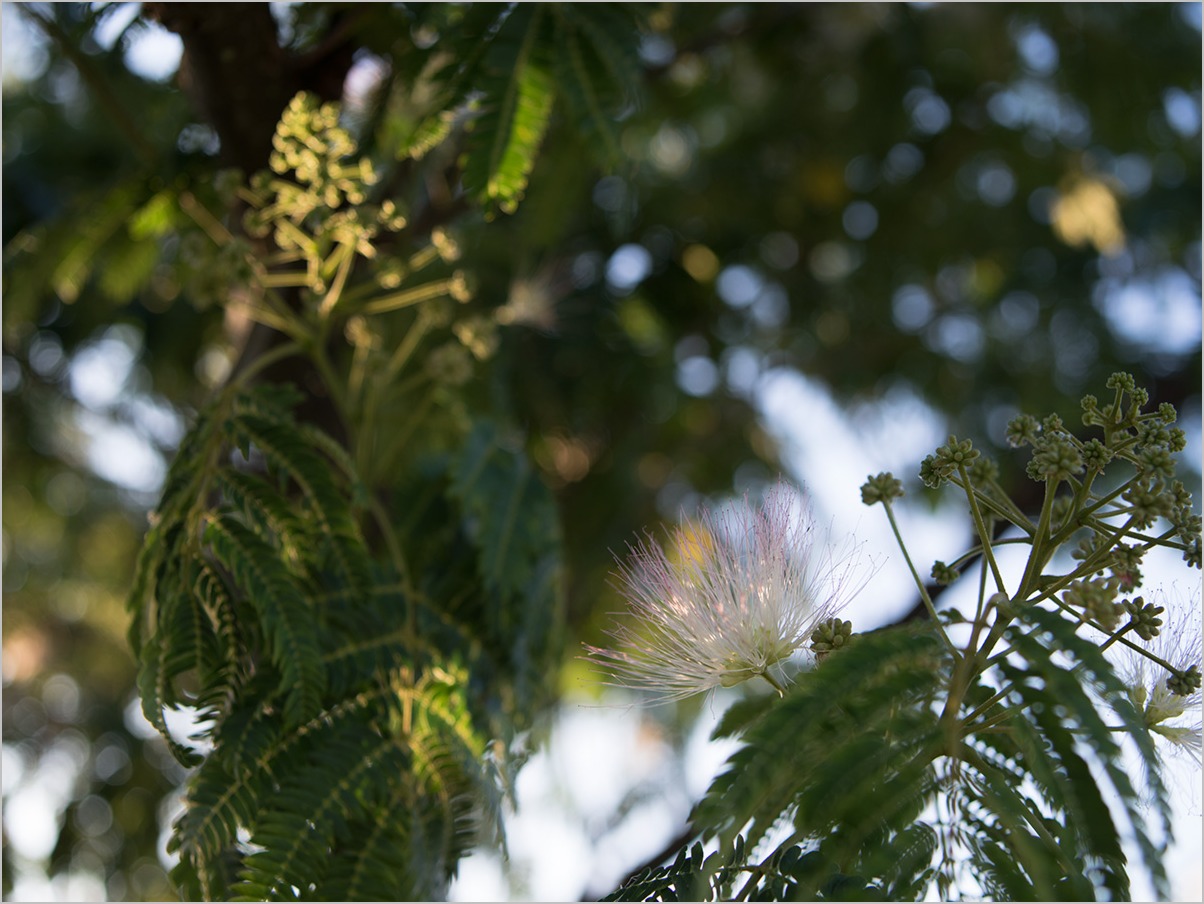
<point>830,635</point>
<point>315,196</point>
<point>948,460</point>
<point>1144,617</point>
<point>1184,683</point>
<point>944,574</point>
<point>1113,528</point>
<point>1097,600</point>
<point>313,204</point>
<point>882,488</point>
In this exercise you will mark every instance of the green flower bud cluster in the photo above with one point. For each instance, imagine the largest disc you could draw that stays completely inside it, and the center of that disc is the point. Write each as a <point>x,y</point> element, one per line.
<point>1097,599</point>
<point>1023,429</point>
<point>449,364</point>
<point>881,488</point>
<point>1118,412</point>
<point>983,471</point>
<point>1096,455</point>
<point>359,333</point>
<point>1144,617</point>
<point>314,197</point>
<point>479,335</point>
<point>946,461</point>
<point>944,574</point>
<point>309,142</point>
<point>1155,432</point>
<point>1125,565</point>
<point>1055,457</point>
<point>459,287</point>
<point>390,272</point>
<point>1191,555</point>
<point>1184,683</point>
<point>227,183</point>
<point>1148,502</point>
<point>830,635</point>
<point>1157,461</point>
<point>1101,493</point>
<point>1122,560</point>
<point>445,245</point>
<point>1146,440</point>
<point>211,273</point>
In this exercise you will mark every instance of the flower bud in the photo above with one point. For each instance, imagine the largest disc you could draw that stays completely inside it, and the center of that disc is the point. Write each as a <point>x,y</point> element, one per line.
<point>829,635</point>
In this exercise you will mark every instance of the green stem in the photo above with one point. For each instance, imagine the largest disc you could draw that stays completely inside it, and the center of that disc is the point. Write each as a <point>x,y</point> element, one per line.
<point>291,280</point>
<point>317,353</point>
<point>1038,557</point>
<point>1003,508</point>
<point>264,361</point>
<point>1150,656</point>
<point>981,709</point>
<point>773,682</point>
<point>1098,504</point>
<point>200,214</point>
<point>271,318</point>
<point>415,418</point>
<point>346,257</point>
<point>375,392</point>
<point>1129,626</point>
<point>421,258</point>
<point>894,526</point>
<point>359,364</point>
<point>980,612</point>
<point>409,297</point>
<point>977,550</point>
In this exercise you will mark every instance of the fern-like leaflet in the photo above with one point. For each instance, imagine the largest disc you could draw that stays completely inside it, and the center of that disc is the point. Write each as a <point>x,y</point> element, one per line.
<point>348,709</point>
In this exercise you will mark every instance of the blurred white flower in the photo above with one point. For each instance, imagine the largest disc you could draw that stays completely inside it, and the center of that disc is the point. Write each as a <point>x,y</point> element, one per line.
<point>1173,717</point>
<point>737,593</point>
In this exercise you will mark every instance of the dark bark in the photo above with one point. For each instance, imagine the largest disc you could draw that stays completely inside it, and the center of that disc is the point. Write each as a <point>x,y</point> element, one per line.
<point>239,79</point>
<point>234,72</point>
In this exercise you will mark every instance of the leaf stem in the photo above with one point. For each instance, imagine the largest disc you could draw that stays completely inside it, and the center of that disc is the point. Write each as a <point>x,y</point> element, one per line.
<point>213,227</point>
<point>773,682</point>
<point>980,526</point>
<point>264,361</point>
<point>894,526</point>
<point>409,297</point>
<point>1037,558</point>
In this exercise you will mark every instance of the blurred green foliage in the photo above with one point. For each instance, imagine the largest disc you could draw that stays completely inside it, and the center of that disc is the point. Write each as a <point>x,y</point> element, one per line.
<point>974,203</point>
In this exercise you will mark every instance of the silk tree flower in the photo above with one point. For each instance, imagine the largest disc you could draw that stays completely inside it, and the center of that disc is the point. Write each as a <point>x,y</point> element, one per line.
<point>739,592</point>
<point>1173,718</point>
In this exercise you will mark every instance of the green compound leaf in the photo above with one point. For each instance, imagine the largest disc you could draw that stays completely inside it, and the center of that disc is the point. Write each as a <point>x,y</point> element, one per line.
<point>516,86</point>
<point>597,65</point>
<point>511,519</point>
<point>290,627</point>
<point>850,746</point>
<point>1063,722</point>
<point>348,712</point>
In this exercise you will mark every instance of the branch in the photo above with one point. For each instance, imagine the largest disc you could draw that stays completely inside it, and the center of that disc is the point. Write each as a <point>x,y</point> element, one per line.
<point>233,70</point>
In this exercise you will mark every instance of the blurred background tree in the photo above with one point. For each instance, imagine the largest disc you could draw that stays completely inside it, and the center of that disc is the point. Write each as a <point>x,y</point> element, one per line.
<point>986,208</point>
